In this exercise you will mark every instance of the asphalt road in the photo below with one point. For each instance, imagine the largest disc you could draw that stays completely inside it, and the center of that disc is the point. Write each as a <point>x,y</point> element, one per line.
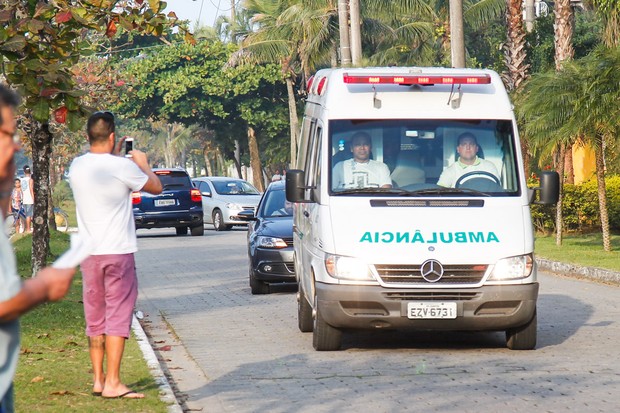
<point>228,351</point>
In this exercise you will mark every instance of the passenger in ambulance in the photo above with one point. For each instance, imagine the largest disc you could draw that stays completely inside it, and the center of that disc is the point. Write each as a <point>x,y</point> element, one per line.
<point>468,162</point>
<point>361,171</point>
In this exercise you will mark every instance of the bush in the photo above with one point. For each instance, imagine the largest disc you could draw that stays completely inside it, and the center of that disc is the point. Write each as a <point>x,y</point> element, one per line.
<point>61,193</point>
<point>580,207</point>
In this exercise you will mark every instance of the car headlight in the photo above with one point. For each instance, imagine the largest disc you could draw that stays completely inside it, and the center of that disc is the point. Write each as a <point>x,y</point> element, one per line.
<point>347,268</point>
<point>512,268</point>
<point>270,242</point>
<point>233,206</point>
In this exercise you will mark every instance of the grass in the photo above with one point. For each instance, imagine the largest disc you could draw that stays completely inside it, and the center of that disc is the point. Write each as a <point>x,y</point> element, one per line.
<point>54,371</point>
<point>584,249</point>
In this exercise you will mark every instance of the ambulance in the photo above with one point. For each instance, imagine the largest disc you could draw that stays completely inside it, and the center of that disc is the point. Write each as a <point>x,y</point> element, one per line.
<point>396,225</point>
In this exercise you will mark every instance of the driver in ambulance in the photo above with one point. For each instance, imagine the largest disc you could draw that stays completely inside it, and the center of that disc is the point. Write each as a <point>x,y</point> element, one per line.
<point>468,161</point>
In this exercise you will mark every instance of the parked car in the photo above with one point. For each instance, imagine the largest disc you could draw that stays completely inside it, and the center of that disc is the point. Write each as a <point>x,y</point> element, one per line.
<point>270,240</point>
<point>179,205</point>
<point>223,198</point>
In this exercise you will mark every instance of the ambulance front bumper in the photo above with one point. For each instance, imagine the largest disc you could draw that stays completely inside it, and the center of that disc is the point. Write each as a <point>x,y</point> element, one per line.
<point>487,308</point>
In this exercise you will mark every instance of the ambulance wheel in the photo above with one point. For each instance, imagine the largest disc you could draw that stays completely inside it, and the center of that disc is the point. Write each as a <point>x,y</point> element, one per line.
<point>524,337</point>
<point>476,175</point>
<point>324,336</point>
<point>304,313</point>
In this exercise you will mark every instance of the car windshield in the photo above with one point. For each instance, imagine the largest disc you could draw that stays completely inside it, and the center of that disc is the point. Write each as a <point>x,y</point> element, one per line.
<point>234,187</point>
<point>276,205</point>
<point>407,157</point>
<point>174,179</point>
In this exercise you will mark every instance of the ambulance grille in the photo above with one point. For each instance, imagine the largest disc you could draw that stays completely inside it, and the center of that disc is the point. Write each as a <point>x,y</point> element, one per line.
<point>431,296</point>
<point>411,274</point>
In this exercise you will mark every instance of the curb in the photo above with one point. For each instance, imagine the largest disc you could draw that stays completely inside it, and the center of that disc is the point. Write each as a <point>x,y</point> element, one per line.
<point>572,270</point>
<point>165,391</point>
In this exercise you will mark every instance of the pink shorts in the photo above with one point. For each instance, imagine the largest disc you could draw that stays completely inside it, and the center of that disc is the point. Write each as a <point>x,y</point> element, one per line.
<point>110,289</point>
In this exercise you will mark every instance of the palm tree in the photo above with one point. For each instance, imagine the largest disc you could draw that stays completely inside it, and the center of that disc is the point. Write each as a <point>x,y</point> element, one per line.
<point>579,101</point>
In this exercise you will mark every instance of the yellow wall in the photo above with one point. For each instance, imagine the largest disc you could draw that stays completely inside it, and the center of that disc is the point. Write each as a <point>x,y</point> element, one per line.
<point>584,163</point>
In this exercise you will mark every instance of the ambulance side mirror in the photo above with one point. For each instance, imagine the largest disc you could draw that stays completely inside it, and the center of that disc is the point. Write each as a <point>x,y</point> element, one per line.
<point>549,189</point>
<point>295,189</point>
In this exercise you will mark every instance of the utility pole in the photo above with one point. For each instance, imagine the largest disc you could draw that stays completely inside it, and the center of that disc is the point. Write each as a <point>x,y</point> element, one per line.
<point>343,25</point>
<point>232,12</point>
<point>457,36</point>
<point>356,32</point>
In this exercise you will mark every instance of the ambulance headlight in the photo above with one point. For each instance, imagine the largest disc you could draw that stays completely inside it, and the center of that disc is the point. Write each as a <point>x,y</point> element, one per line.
<point>347,268</point>
<point>513,268</point>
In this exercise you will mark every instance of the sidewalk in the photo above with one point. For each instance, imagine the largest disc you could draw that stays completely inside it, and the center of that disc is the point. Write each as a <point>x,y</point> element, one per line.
<point>572,270</point>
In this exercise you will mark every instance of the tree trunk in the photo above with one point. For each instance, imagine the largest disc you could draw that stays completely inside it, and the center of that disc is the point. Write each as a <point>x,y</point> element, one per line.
<point>205,152</point>
<point>238,157</point>
<point>257,173</point>
<point>292,111</point>
<point>41,140</point>
<point>602,194</point>
<point>568,166</point>
<point>356,32</point>
<point>457,36</point>
<point>343,25</point>
<point>563,29</point>
<point>559,219</point>
<point>515,53</point>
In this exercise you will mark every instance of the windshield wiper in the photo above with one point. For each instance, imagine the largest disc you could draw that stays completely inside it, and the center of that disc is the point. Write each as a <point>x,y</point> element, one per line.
<point>166,186</point>
<point>370,191</point>
<point>446,191</point>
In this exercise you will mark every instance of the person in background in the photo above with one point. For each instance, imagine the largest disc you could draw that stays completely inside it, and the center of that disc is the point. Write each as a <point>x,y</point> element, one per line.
<point>17,208</point>
<point>468,161</point>
<point>102,182</point>
<point>276,176</point>
<point>28,200</point>
<point>17,297</point>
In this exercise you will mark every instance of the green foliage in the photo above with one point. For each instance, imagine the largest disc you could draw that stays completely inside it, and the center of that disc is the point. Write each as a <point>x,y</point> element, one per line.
<point>192,84</point>
<point>61,193</point>
<point>580,207</point>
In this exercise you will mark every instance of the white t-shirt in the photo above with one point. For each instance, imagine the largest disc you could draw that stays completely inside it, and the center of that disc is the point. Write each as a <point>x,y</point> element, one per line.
<point>102,186</point>
<point>452,173</point>
<point>10,285</point>
<point>350,174</point>
<point>26,181</point>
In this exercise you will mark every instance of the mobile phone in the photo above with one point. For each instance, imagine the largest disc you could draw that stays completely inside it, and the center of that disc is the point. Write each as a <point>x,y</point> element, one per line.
<point>128,147</point>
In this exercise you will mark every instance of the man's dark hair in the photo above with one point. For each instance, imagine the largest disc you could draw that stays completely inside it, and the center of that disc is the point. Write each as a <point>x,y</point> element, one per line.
<point>8,98</point>
<point>99,127</point>
<point>466,135</point>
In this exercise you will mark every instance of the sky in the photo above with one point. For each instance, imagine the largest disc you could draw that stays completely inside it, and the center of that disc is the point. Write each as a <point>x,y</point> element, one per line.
<point>191,10</point>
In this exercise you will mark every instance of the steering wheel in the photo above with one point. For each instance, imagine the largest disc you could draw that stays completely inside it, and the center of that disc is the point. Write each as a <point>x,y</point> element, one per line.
<point>476,175</point>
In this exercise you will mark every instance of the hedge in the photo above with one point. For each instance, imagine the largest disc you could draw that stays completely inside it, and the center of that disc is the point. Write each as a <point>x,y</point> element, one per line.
<point>580,208</point>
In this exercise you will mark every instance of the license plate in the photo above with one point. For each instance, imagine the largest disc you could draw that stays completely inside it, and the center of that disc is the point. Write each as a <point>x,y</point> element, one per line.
<point>431,310</point>
<point>164,202</point>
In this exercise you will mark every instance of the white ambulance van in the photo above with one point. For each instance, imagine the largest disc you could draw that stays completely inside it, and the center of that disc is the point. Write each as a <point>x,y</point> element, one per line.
<point>411,206</point>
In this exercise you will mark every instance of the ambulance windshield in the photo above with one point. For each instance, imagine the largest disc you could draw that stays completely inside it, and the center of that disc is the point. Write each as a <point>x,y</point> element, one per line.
<point>423,157</point>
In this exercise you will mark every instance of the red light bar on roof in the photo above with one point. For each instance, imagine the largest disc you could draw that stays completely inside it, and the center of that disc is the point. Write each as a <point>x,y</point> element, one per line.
<point>416,79</point>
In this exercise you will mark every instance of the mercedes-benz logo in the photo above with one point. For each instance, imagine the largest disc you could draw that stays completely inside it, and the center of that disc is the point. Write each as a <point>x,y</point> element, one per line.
<point>431,271</point>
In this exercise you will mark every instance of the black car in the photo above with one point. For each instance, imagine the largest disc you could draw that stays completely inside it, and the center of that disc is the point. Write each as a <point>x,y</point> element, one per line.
<point>179,205</point>
<point>270,240</point>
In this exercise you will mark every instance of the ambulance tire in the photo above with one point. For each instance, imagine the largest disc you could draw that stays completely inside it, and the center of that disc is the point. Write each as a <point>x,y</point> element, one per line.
<point>304,313</point>
<point>524,337</point>
<point>324,336</point>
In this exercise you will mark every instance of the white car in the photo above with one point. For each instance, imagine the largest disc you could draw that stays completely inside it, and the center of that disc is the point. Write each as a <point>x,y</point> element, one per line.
<point>223,198</point>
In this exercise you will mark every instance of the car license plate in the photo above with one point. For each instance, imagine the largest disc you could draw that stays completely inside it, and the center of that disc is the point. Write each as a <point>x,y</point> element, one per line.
<point>164,202</point>
<point>430,310</point>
